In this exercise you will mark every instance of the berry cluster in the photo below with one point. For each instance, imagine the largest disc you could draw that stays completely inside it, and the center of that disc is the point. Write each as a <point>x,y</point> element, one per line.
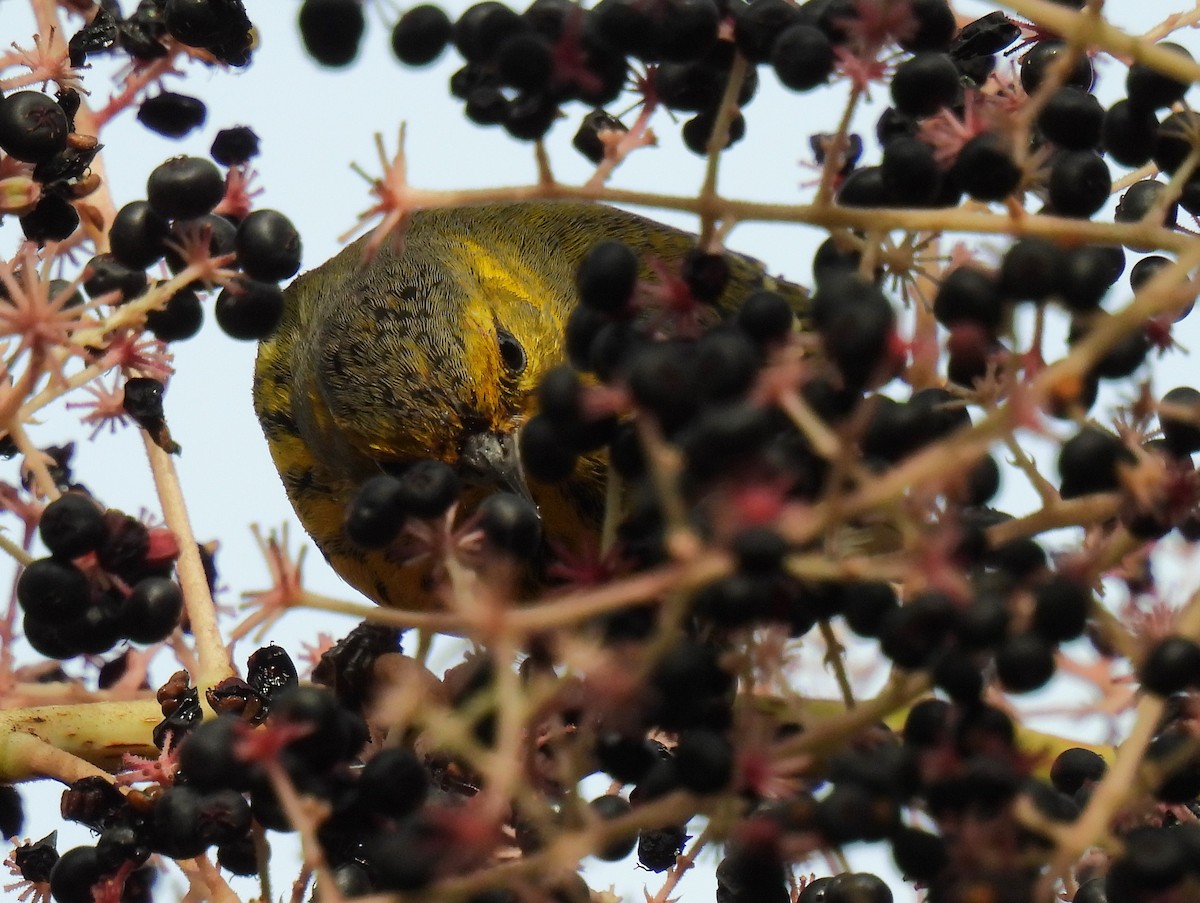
<point>177,222</point>
<point>108,578</point>
<point>50,161</point>
<point>156,27</point>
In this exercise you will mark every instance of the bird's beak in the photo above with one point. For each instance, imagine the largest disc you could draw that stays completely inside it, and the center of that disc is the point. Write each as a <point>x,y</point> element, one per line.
<point>492,461</point>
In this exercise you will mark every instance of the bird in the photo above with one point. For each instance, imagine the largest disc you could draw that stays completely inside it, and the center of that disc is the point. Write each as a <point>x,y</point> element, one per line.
<point>434,348</point>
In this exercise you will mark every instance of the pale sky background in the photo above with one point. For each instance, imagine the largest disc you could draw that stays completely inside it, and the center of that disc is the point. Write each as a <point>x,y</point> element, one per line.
<point>313,123</point>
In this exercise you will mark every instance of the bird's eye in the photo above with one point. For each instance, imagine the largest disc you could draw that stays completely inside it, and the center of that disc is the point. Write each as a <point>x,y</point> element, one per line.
<point>511,353</point>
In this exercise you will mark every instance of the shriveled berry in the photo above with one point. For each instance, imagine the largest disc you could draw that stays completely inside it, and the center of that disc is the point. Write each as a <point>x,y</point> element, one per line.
<point>587,139</point>
<point>658,848</point>
<point>12,814</point>
<point>193,22</point>
<point>144,403</point>
<point>234,146</point>
<point>172,115</point>
<point>36,860</point>
<point>988,34</point>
